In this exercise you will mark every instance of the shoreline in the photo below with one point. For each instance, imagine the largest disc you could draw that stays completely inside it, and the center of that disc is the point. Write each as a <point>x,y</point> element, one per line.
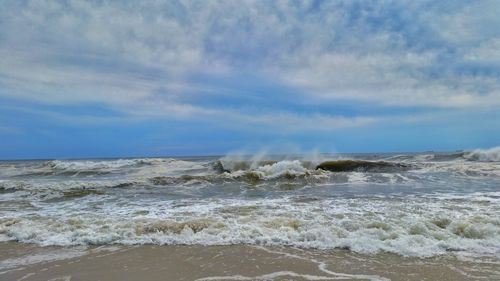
<point>20,261</point>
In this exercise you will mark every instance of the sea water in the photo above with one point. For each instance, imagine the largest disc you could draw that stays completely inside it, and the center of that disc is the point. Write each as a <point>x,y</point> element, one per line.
<point>413,204</point>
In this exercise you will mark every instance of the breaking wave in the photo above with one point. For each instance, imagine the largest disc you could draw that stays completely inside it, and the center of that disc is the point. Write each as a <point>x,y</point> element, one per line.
<point>486,155</point>
<point>97,167</point>
<point>360,225</point>
<point>362,166</point>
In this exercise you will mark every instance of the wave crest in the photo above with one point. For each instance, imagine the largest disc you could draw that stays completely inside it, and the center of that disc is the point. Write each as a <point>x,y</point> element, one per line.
<point>362,166</point>
<point>485,155</point>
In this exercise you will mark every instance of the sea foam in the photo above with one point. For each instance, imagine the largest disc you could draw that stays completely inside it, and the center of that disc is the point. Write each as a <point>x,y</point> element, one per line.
<point>417,227</point>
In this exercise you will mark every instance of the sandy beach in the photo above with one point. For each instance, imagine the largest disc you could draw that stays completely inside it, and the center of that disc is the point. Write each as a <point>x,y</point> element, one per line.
<point>29,262</point>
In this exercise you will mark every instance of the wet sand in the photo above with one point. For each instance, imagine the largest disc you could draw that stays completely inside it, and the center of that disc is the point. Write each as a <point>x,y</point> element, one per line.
<point>30,262</point>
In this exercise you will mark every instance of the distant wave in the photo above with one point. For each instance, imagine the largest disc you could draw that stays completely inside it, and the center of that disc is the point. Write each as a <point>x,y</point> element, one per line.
<point>95,167</point>
<point>79,165</point>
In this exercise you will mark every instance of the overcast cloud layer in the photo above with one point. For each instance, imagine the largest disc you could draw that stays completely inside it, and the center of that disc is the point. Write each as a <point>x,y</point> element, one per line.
<point>292,66</point>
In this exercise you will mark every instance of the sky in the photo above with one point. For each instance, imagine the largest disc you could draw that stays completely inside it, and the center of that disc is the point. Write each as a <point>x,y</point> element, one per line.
<point>93,79</point>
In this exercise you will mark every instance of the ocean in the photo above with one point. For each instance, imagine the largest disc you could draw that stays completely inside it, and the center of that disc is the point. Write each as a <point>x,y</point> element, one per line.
<point>412,205</point>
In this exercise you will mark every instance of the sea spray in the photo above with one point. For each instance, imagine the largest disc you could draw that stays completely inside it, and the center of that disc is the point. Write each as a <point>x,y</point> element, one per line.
<point>487,155</point>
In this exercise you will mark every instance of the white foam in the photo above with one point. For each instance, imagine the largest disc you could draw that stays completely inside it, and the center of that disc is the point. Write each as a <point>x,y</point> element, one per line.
<point>46,256</point>
<point>466,169</point>
<point>280,168</point>
<point>357,177</point>
<point>419,227</point>
<point>142,166</point>
<point>146,165</point>
<point>79,165</point>
<point>291,274</point>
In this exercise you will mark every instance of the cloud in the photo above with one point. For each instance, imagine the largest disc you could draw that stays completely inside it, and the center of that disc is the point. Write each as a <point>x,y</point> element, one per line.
<point>285,122</point>
<point>142,59</point>
<point>375,55</point>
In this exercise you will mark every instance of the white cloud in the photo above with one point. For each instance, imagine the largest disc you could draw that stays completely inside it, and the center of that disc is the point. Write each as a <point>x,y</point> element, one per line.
<point>136,58</point>
<point>487,52</point>
<point>285,122</point>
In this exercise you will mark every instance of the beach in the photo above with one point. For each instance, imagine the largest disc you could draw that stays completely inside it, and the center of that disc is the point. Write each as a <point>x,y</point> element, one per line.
<point>249,140</point>
<point>238,262</point>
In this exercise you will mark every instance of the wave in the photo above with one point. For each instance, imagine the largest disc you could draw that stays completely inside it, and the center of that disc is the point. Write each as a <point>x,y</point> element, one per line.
<point>229,166</point>
<point>485,155</point>
<point>74,168</point>
<point>90,165</point>
<point>412,205</point>
<point>287,174</point>
<point>359,225</point>
<point>261,168</point>
<point>426,157</point>
<point>362,166</point>
<point>276,168</point>
<point>36,191</point>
